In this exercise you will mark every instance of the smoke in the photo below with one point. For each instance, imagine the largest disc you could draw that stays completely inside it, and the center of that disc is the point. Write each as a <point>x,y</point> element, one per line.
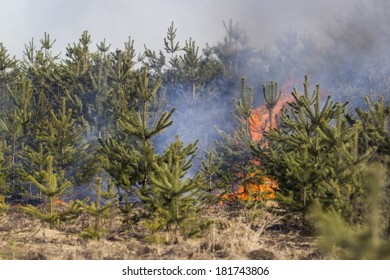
<point>147,21</point>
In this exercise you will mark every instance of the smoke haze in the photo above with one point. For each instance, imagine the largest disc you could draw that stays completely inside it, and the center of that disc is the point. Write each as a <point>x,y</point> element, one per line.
<point>147,21</point>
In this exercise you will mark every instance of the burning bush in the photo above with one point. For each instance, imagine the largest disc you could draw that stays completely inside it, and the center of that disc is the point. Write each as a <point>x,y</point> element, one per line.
<point>249,182</point>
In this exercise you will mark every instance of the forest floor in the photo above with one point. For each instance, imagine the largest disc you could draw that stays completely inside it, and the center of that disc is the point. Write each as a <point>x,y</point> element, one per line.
<point>232,234</point>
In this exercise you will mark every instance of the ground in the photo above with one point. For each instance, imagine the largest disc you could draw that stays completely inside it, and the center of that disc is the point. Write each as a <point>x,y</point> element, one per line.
<point>232,234</point>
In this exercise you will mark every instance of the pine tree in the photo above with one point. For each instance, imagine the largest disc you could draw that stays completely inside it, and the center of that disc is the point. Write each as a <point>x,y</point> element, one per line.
<point>75,75</point>
<point>97,210</point>
<point>341,240</point>
<point>3,206</point>
<point>153,61</point>
<point>4,174</point>
<point>343,167</point>
<point>173,198</point>
<point>115,81</point>
<point>243,110</point>
<point>171,46</point>
<point>212,190</point>
<point>235,56</point>
<point>62,137</point>
<point>130,157</point>
<point>123,79</point>
<point>271,97</point>
<point>100,110</point>
<point>16,127</point>
<point>42,70</point>
<point>51,185</point>
<point>320,153</point>
<point>189,84</point>
<point>233,151</point>
<point>297,155</point>
<point>375,122</point>
<point>191,66</point>
<point>9,75</point>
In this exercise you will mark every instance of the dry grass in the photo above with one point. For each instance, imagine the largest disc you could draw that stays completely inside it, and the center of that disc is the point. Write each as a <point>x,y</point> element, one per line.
<point>233,234</point>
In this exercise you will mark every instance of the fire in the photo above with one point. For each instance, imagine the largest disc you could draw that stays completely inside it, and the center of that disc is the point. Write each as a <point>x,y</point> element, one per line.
<point>59,201</point>
<point>261,188</point>
<point>254,191</point>
<point>260,116</point>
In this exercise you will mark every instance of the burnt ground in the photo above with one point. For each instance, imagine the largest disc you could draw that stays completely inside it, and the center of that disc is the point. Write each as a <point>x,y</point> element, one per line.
<point>253,234</point>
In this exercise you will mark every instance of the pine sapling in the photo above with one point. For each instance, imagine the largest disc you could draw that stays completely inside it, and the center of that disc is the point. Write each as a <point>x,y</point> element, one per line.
<point>51,186</point>
<point>211,191</point>
<point>3,207</point>
<point>97,210</point>
<point>271,97</point>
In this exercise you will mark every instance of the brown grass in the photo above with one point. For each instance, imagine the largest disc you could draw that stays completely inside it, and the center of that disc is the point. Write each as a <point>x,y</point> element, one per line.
<point>232,234</point>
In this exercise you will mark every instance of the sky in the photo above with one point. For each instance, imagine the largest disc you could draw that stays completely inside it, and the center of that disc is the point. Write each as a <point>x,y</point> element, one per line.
<point>147,21</point>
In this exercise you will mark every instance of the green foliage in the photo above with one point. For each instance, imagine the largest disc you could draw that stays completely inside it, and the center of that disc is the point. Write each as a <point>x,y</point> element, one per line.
<point>233,150</point>
<point>130,156</point>
<point>212,190</point>
<point>235,155</point>
<point>8,66</point>
<point>91,233</point>
<point>375,130</point>
<point>271,97</point>
<point>52,186</point>
<point>59,132</point>
<point>317,155</point>
<point>54,110</point>
<point>173,198</point>
<point>41,68</point>
<point>47,182</point>
<point>344,165</point>
<point>15,130</point>
<point>243,110</point>
<point>298,155</point>
<point>170,45</point>
<point>3,207</point>
<point>74,208</point>
<point>97,210</point>
<point>338,240</point>
<point>98,103</point>
<point>4,173</point>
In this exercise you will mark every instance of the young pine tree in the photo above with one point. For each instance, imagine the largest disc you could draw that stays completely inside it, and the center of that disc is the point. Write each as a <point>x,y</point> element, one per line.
<point>62,137</point>
<point>52,186</point>
<point>42,69</point>
<point>271,97</point>
<point>310,157</point>
<point>4,188</point>
<point>130,157</point>
<point>375,133</point>
<point>339,239</point>
<point>212,190</point>
<point>97,209</point>
<point>9,75</point>
<point>4,172</point>
<point>233,150</point>
<point>77,65</point>
<point>174,197</point>
<point>15,129</point>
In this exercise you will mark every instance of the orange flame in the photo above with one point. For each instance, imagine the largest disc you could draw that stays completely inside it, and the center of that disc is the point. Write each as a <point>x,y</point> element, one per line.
<point>259,123</point>
<point>59,201</point>
<point>254,191</point>
<point>260,116</point>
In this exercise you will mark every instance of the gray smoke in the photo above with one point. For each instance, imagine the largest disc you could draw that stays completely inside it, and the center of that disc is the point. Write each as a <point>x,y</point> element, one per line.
<point>146,21</point>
